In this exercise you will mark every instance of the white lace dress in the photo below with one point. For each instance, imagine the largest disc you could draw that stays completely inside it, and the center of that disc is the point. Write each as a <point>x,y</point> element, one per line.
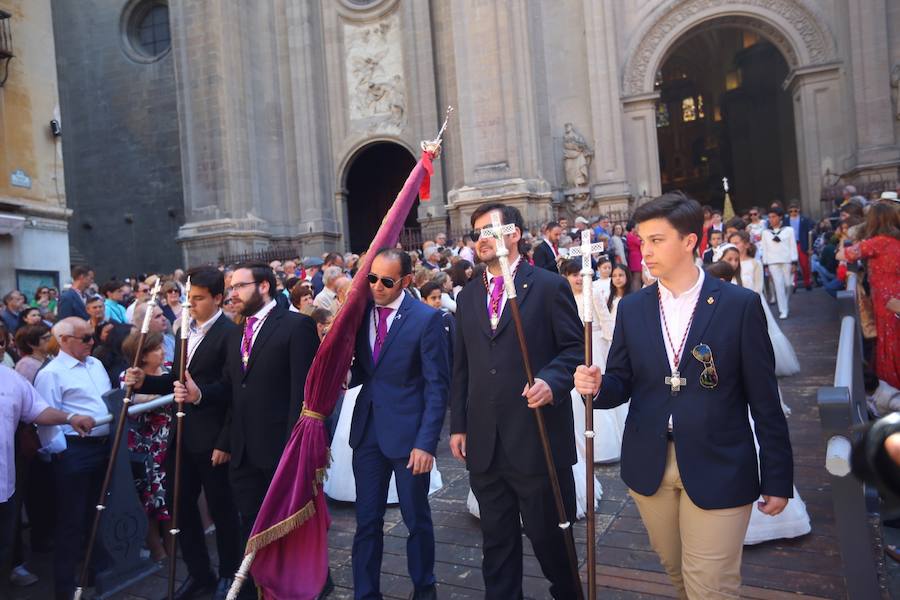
<point>340,484</point>
<point>786,362</point>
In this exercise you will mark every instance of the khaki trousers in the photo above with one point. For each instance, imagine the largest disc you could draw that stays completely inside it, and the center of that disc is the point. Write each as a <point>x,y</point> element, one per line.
<point>700,549</point>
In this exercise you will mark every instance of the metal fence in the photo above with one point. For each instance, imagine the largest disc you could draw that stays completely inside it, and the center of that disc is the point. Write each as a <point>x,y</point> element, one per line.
<point>842,410</point>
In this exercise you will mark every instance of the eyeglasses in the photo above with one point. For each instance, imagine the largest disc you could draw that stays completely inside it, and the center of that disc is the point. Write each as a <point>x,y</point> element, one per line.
<point>175,291</point>
<point>144,290</point>
<point>709,378</point>
<point>84,339</point>
<point>239,285</point>
<point>754,214</point>
<point>388,282</point>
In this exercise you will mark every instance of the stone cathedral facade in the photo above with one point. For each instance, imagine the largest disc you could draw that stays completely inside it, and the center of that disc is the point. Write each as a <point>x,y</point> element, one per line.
<point>295,117</point>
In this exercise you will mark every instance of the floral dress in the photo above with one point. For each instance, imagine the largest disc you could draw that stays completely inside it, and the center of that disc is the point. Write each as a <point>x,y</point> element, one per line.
<point>149,436</point>
<point>882,256</point>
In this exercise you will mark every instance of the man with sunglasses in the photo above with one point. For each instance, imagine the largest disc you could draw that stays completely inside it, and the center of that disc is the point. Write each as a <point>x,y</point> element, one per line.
<point>74,382</point>
<point>493,426</point>
<point>402,362</point>
<point>692,353</point>
<point>801,225</point>
<point>141,294</point>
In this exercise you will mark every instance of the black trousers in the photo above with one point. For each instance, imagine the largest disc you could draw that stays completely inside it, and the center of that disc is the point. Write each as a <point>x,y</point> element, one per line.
<point>504,495</point>
<point>79,474</point>
<point>8,512</point>
<point>198,473</point>
<point>249,485</point>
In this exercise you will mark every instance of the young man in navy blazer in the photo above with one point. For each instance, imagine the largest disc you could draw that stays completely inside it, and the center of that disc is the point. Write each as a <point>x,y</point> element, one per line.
<point>403,366</point>
<point>693,353</point>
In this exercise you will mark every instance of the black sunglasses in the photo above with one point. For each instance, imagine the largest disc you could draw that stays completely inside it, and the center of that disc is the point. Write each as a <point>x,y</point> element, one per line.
<point>388,282</point>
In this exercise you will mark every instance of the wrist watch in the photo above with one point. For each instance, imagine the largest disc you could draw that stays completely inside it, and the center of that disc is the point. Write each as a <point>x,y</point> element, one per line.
<point>69,417</point>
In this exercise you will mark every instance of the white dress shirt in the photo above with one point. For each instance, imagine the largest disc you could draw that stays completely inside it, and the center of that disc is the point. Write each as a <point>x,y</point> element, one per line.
<point>196,333</point>
<point>326,300</point>
<point>19,402</point>
<point>261,315</point>
<point>74,387</point>
<point>490,279</point>
<point>773,252</point>
<point>395,305</point>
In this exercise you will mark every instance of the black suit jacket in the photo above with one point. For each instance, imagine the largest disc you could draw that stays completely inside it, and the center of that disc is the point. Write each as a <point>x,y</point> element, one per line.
<point>488,374</point>
<point>713,439</point>
<point>205,424</point>
<point>266,399</point>
<point>544,258</point>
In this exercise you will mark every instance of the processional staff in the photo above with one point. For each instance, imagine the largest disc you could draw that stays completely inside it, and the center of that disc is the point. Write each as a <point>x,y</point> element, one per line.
<point>179,432</point>
<point>114,451</point>
<point>586,250</point>
<point>496,231</point>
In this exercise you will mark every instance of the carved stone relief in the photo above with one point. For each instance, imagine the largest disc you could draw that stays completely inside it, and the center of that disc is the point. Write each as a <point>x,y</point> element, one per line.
<point>895,90</point>
<point>376,89</point>
<point>577,156</point>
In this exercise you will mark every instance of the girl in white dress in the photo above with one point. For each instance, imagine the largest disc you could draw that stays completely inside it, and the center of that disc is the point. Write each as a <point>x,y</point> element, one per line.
<point>793,521</point>
<point>602,283</point>
<point>751,277</point>
<point>340,484</point>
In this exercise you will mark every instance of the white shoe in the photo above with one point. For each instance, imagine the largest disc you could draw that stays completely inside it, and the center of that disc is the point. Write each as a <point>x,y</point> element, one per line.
<point>22,577</point>
<point>783,316</point>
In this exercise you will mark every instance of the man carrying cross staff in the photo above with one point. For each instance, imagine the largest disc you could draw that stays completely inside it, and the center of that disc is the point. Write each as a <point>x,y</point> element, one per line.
<point>493,426</point>
<point>693,354</point>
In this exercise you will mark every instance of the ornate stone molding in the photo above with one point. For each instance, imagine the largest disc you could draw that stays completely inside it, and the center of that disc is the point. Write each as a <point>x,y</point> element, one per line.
<point>794,28</point>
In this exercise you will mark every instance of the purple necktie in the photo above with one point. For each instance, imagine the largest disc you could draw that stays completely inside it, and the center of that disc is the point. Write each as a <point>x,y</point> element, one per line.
<point>496,298</point>
<point>380,330</point>
<point>247,342</point>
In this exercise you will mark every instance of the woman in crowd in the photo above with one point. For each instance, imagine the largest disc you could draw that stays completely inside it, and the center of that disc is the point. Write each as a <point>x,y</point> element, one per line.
<point>635,258</point>
<point>460,273</point>
<point>616,249</point>
<point>108,349</point>
<point>793,521</point>
<point>750,275</point>
<point>33,343</point>
<point>301,297</point>
<point>30,316</point>
<point>114,293</point>
<point>448,302</point>
<point>44,301</point>
<point>171,303</point>
<point>148,439</point>
<point>880,249</point>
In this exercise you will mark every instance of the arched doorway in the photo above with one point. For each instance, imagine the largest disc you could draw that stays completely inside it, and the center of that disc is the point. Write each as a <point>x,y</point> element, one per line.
<point>722,112</point>
<point>375,176</point>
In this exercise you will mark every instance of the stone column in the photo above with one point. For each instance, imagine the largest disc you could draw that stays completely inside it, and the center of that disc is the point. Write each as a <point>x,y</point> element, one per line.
<point>498,122</point>
<point>821,144</point>
<point>608,179</point>
<point>641,146</point>
<point>870,67</point>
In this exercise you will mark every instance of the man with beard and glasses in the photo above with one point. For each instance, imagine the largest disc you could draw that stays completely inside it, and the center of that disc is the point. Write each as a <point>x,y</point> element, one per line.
<point>265,373</point>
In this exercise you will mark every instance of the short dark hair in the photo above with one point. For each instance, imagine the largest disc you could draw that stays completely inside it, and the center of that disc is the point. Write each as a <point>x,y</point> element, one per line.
<point>93,298</point>
<point>79,271</point>
<point>399,255</point>
<point>261,272</point>
<point>571,267</point>
<point>29,336</point>
<point>776,210</point>
<point>737,223</point>
<point>331,257</point>
<point>209,278</point>
<point>428,287</point>
<point>508,214</point>
<point>111,286</point>
<point>713,232</point>
<point>683,213</point>
<point>553,224</point>
<point>720,270</point>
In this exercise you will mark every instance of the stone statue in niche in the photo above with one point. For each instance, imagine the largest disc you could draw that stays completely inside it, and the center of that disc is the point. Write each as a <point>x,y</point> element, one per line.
<point>577,156</point>
<point>895,90</point>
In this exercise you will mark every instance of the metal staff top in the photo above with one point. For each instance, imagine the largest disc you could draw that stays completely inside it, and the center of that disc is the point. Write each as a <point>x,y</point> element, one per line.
<point>496,231</point>
<point>148,314</point>
<point>585,251</point>
<point>186,313</point>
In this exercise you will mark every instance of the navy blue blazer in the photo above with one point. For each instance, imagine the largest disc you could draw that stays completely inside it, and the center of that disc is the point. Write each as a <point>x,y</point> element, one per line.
<point>406,391</point>
<point>71,305</point>
<point>713,440</point>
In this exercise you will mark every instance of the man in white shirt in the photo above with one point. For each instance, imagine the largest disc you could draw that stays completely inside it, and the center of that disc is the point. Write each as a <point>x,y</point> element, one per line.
<point>327,299</point>
<point>20,402</point>
<point>74,382</point>
<point>779,252</point>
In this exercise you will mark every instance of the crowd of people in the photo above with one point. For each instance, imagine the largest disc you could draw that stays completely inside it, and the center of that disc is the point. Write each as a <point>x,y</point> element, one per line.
<point>254,330</point>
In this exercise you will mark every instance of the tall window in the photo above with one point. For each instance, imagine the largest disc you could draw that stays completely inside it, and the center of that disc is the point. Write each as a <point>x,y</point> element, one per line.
<point>692,108</point>
<point>153,30</point>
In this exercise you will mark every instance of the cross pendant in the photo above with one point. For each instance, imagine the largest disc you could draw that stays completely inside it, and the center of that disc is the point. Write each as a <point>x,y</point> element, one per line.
<point>675,381</point>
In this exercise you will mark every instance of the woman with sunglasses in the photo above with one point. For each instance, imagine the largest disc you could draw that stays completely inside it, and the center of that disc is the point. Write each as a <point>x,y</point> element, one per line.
<point>794,520</point>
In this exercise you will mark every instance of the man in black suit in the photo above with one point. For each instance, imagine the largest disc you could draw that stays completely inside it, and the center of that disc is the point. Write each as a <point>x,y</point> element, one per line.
<point>265,372</point>
<point>206,443</point>
<point>546,252</point>
<point>493,428</point>
<point>692,353</point>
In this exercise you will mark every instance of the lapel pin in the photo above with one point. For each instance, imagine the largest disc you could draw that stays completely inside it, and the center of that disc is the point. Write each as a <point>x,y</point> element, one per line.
<point>524,285</point>
<point>710,300</point>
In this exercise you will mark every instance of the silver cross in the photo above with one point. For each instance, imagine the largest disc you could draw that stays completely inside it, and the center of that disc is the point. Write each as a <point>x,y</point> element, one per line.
<point>586,250</point>
<point>496,231</point>
<point>676,381</point>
